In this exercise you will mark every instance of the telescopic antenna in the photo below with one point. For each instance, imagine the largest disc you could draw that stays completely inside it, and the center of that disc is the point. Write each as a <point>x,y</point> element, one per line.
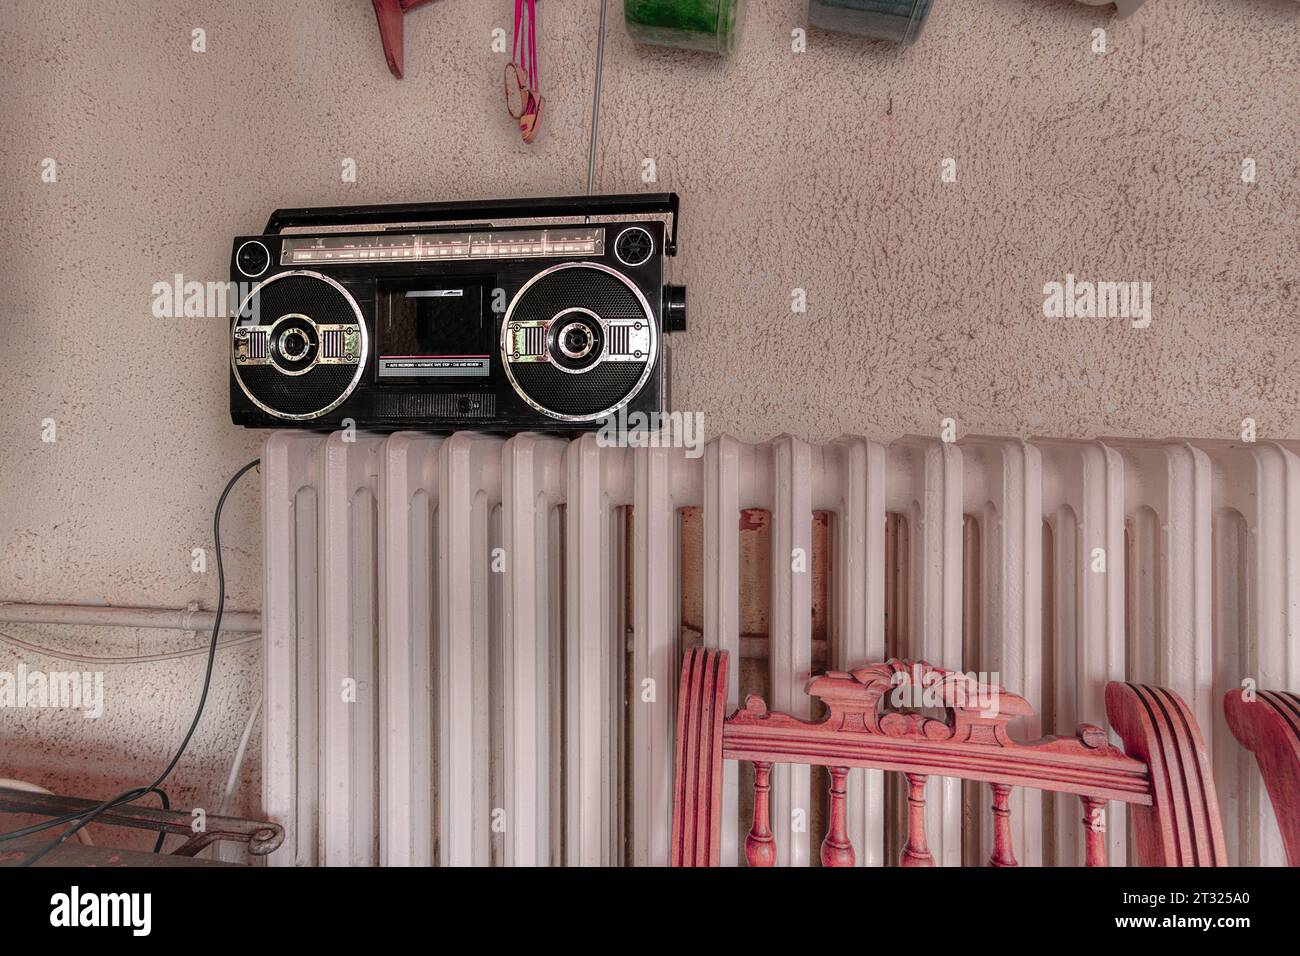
<point>595,101</point>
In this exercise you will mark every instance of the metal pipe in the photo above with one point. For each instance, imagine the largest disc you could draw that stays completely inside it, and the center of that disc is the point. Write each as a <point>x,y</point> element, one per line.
<point>178,619</point>
<point>8,783</point>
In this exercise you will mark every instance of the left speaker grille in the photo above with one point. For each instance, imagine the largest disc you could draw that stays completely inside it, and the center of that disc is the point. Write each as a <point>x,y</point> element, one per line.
<point>321,387</point>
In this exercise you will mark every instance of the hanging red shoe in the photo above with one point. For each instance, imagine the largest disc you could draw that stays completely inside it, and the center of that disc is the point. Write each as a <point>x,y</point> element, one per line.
<point>389,13</point>
<point>524,100</point>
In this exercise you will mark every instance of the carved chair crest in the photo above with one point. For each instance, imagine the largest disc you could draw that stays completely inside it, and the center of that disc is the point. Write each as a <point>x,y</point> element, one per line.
<point>892,698</point>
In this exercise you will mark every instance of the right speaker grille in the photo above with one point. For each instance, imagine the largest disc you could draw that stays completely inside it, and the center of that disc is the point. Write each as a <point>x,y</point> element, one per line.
<point>607,385</point>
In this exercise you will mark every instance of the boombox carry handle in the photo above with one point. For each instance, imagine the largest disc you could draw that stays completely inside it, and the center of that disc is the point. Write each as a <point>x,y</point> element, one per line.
<point>535,208</point>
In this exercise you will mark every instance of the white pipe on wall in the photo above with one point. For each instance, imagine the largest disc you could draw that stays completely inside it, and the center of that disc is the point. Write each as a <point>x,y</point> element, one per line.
<point>179,619</point>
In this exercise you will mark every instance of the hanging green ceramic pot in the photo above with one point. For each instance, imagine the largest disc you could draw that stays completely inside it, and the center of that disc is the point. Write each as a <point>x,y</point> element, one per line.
<point>897,20</point>
<point>710,25</point>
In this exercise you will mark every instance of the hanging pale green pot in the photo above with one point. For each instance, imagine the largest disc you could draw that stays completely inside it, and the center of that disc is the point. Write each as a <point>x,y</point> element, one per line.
<point>897,20</point>
<point>710,25</point>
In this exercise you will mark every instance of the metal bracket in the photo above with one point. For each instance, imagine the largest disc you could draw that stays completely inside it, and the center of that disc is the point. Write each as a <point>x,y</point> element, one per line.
<point>261,837</point>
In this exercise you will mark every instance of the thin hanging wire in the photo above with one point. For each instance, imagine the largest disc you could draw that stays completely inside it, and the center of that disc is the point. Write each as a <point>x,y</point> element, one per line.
<point>595,102</point>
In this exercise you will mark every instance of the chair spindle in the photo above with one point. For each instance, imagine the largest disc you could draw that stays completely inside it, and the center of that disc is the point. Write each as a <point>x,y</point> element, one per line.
<point>916,852</point>
<point>760,847</point>
<point>1094,830</point>
<point>837,849</point>
<point>1003,851</point>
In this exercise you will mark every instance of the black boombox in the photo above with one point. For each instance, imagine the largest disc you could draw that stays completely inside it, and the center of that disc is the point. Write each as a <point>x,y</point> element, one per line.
<point>475,325</point>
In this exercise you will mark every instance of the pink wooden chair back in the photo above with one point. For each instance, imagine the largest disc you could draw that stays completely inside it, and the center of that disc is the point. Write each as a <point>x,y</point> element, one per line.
<point>1267,723</point>
<point>1163,772</point>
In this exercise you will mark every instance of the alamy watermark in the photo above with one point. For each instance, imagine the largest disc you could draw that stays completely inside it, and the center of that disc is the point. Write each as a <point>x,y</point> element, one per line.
<point>920,687</point>
<point>626,429</point>
<point>1083,299</point>
<point>183,298</point>
<point>133,911</point>
<point>65,690</point>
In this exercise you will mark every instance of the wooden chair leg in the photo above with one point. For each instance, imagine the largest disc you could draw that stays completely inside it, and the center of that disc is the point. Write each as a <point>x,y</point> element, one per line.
<point>1268,725</point>
<point>697,796</point>
<point>1182,827</point>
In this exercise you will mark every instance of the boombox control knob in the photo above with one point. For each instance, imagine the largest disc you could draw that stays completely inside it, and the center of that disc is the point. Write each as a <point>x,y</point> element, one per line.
<point>674,308</point>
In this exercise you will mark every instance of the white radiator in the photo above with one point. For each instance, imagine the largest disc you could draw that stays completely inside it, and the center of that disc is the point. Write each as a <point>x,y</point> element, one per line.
<point>454,674</point>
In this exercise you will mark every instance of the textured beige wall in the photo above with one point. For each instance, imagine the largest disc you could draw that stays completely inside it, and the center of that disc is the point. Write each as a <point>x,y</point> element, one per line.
<point>817,170</point>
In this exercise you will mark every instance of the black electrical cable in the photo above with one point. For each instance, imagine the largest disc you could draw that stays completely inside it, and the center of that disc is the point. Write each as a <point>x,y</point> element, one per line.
<point>166,805</point>
<point>130,796</point>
